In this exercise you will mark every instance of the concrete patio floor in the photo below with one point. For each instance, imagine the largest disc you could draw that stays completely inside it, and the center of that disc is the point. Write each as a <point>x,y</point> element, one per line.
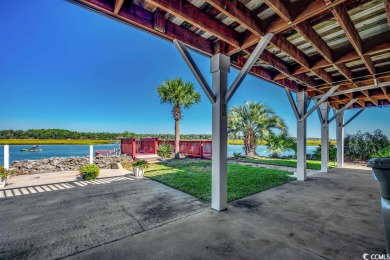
<point>331,216</point>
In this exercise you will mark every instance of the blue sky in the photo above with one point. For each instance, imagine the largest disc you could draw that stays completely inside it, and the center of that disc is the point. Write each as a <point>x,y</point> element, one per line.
<point>65,67</point>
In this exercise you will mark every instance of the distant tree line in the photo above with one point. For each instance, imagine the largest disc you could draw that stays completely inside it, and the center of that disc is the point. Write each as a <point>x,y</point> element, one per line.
<point>74,135</point>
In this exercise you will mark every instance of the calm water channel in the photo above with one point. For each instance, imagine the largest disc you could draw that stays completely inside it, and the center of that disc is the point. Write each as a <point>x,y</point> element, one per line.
<point>83,150</point>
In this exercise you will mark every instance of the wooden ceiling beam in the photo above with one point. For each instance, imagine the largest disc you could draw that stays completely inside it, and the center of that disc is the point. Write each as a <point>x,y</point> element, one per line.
<point>308,32</point>
<point>344,20</point>
<point>282,66</point>
<point>264,74</point>
<point>360,102</point>
<point>382,46</point>
<point>314,8</point>
<point>192,14</point>
<point>386,93</point>
<point>372,99</point>
<point>143,19</point>
<point>238,12</point>
<point>310,35</point>
<point>286,46</point>
<point>118,5</point>
<point>280,9</point>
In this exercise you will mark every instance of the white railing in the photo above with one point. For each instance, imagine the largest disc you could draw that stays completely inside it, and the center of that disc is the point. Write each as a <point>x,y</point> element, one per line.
<point>6,156</point>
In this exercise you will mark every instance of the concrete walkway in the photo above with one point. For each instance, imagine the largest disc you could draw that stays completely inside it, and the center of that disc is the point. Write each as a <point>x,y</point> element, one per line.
<point>331,216</point>
<point>56,177</point>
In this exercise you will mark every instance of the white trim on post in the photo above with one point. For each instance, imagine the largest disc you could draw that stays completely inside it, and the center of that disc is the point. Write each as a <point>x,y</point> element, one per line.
<point>91,154</point>
<point>220,68</point>
<point>301,135</point>
<point>323,112</point>
<point>340,138</point>
<point>6,156</point>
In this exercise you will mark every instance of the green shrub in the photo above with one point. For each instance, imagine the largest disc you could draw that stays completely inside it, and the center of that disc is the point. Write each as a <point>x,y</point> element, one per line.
<point>363,146</point>
<point>236,154</point>
<point>89,172</point>
<point>142,164</point>
<point>165,150</point>
<point>4,173</point>
<point>332,152</point>
<point>385,152</point>
<point>276,144</point>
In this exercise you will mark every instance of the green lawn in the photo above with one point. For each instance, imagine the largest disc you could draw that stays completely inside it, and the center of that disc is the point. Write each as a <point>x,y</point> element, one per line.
<point>194,177</point>
<point>314,165</point>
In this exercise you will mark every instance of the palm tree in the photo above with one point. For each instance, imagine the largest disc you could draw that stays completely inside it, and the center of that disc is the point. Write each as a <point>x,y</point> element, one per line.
<point>180,95</point>
<point>256,122</point>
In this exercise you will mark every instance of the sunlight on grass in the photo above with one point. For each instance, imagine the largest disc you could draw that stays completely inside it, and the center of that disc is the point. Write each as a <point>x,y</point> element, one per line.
<point>311,164</point>
<point>194,177</point>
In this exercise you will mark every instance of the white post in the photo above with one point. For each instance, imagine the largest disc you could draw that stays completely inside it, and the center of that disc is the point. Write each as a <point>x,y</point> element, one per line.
<point>91,154</point>
<point>340,139</point>
<point>220,68</point>
<point>302,101</point>
<point>6,156</point>
<point>324,111</point>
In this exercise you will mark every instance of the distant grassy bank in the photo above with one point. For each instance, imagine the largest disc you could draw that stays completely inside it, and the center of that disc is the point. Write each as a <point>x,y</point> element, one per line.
<point>308,142</point>
<point>54,141</point>
<point>93,141</point>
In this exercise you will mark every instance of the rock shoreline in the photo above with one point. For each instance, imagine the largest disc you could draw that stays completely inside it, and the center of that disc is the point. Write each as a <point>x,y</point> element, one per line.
<point>58,164</point>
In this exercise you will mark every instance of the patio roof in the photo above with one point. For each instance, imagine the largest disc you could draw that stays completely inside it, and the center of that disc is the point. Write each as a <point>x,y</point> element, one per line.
<point>316,44</point>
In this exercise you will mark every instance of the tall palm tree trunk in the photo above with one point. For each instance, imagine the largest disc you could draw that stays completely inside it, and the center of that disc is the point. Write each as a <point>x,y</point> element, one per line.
<point>177,136</point>
<point>176,112</point>
<point>250,142</point>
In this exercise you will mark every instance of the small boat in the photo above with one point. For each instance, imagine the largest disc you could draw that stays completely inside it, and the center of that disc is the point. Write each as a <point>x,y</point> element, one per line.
<point>33,149</point>
<point>30,150</point>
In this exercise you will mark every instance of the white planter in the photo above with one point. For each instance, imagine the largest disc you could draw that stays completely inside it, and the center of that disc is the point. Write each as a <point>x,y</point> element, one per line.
<point>138,172</point>
<point>3,183</point>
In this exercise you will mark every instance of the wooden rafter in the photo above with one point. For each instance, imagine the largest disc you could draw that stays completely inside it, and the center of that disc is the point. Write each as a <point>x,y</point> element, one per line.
<point>343,18</point>
<point>238,12</point>
<point>314,8</point>
<point>382,45</point>
<point>307,31</point>
<point>279,7</point>
<point>118,5</point>
<point>372,99</point>
<point>386,93</point>
<point>190,13</point>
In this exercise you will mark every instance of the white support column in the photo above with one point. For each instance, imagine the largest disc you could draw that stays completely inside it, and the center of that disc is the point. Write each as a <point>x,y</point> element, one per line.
<point>6,156</point>
<point>340,139</point>
<point>302,101</point>
<point>220,68</point>
<point>91,154</point>
<point>324,117</point>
